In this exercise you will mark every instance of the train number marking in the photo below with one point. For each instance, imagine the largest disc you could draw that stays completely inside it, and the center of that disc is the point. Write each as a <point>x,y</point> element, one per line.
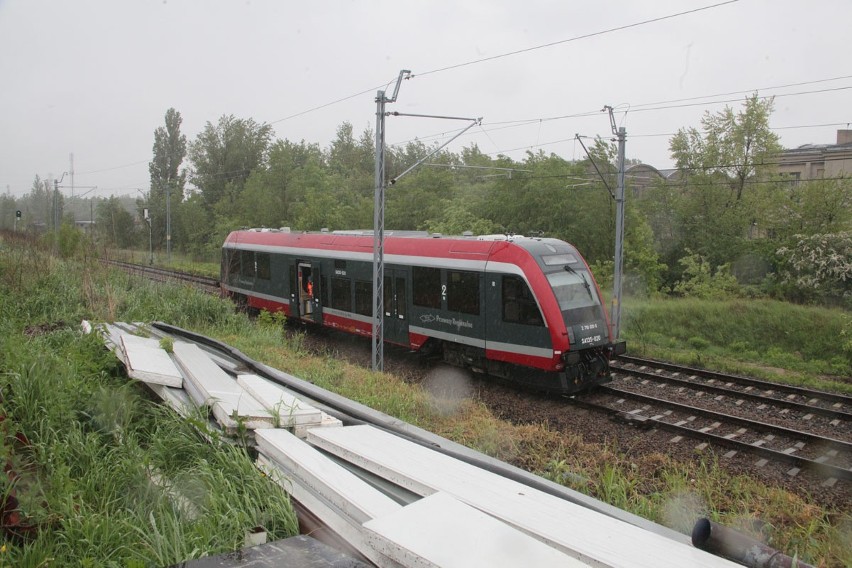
<point>588,340</point>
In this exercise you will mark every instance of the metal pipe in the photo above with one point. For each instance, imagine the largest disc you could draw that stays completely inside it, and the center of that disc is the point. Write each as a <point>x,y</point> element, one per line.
<point>733,545</point>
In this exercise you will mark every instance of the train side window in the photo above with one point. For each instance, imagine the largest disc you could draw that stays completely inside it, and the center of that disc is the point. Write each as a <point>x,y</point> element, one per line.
<point>427,287</point>
<point>341,295</point>
<point>247,267</point>
<point>264,270</point>
<point>518,302</point>
<point>363,298</point>
<point>400,298</point>
<point>324,290</point>
<point>233,263</point>
<point>463,292</point>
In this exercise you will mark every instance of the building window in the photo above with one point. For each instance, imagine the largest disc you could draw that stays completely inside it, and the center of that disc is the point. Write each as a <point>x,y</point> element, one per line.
<point>463,292</point>
<point>427,287</point>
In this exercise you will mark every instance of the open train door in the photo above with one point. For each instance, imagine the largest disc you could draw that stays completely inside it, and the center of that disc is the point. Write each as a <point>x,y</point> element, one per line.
<point>307,294</point>
<point>396,307</point>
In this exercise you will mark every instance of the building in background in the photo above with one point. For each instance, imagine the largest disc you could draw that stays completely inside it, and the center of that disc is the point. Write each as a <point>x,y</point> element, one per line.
<point>815,161</point>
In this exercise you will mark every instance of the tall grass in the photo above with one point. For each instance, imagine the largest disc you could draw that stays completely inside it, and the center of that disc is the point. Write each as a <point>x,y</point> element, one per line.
<point>776,340</point>
<point>109,477</point>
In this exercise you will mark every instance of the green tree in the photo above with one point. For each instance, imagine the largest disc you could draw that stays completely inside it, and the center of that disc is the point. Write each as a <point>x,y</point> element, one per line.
<point>166,175</point>
<point>739,147</point>
<point>725,171</point>
<point>293,175</point>
<point>115,225</point>
<point>8,206</point>
<point>223,157</point>
<point>810,207</point>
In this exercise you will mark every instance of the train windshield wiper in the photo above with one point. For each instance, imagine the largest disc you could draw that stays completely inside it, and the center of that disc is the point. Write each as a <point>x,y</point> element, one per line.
<point>586,284</point>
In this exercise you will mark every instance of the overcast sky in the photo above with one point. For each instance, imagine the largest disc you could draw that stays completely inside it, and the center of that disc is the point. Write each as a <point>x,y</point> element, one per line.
<point>95,77</point>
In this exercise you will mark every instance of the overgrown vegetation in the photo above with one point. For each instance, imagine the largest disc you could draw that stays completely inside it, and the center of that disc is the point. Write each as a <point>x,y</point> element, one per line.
<point>95,443</point>
<point>99,474</point>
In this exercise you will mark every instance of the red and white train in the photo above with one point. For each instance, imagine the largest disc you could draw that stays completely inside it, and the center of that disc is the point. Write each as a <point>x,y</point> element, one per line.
<point>519,308</point>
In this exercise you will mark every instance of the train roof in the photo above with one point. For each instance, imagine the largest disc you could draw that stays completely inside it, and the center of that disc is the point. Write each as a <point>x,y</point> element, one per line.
<point>416,242</point>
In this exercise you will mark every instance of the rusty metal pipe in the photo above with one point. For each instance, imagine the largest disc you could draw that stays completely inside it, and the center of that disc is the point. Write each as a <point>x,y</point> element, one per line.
<point>733,545</point>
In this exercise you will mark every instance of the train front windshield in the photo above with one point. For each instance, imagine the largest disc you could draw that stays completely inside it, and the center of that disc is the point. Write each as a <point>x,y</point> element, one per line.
<point>581,307</point>
<point>573,289</point>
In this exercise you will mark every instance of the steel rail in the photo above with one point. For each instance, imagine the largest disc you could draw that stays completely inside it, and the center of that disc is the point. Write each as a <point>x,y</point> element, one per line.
<point>801,407</point>
<point>824,469</point>
<point>739,379</point>
<point>798,461</point>
<point>173,274</point>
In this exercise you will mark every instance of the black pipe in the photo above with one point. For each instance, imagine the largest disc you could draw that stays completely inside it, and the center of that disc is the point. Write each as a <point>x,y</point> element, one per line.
<point>351,412</point>
<point>724,541</point>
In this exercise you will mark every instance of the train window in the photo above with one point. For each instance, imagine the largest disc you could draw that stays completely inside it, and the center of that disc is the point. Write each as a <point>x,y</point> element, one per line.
<point>323,290</point>
<point>363,298</point>
<point>427,287</point>
<point>518,302</point>
<point>264,270</point>
<point>463,292</point>
<point>341,295</point>
<point>233,263</point>
<point>247,267</point>
<point>555,259</point>
<point>573,289</point>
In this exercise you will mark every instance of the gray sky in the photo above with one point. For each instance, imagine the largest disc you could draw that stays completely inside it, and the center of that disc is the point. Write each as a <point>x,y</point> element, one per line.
<point>95,77</point>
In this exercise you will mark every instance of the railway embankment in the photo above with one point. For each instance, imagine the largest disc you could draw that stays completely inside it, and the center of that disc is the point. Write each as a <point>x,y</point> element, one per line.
<point>652,482</point>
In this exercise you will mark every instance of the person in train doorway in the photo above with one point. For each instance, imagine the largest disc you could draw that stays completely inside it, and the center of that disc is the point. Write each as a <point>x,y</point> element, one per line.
<point>309,297</point>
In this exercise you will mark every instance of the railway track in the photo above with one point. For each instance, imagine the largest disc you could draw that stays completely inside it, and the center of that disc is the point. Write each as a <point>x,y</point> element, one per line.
<point>804,430</point>
<point>210,285</point>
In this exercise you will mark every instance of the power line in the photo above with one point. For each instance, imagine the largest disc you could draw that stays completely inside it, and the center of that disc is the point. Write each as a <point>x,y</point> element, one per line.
<point>502,55</point>
<point>576,38</point>
<point>526,122</point>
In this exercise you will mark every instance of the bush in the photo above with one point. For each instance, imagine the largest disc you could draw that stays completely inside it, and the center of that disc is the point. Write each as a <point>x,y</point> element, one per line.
<point>818,269</point>
<point>699,280</point>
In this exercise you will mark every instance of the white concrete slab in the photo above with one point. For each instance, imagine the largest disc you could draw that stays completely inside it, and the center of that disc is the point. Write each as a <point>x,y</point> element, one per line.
<point>329,515</point>
<point>579,532</point>
<point>202,370</point>
<point>208,385</point>
<point>178,399</point>
<point>326,421</point>
<point>146,361</point>
<point>353,496</point>
<point>286,410</point>
<point>441,532</point>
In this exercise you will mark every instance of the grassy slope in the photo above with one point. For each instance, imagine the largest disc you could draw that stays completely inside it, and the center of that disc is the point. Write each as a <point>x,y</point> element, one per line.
<point>98,464</point>
<point>774,340</point>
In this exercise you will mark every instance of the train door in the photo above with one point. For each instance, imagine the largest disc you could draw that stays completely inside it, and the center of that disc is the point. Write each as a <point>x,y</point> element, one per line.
<point>396,307</point>
<point>306,298</point>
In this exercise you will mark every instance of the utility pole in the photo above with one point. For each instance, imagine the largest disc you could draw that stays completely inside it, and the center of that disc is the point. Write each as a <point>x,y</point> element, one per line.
<point>621,135</point>
<point>379,226</point>
<point>56,216</point>
<point>168,223</point>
